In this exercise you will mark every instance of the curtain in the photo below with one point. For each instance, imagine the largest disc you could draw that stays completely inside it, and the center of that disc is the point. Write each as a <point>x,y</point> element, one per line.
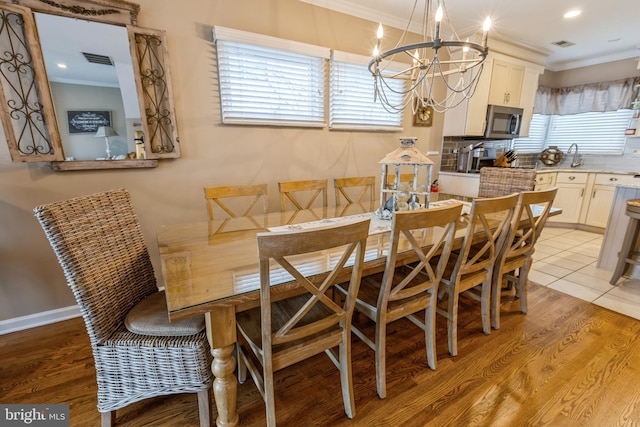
<point>594,97</point>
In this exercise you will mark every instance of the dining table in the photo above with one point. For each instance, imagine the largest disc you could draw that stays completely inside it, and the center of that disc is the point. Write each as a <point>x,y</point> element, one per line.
<point>211,268</point>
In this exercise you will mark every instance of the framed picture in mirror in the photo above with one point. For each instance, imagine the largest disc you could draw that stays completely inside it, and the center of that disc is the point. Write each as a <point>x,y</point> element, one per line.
<point>87,121</point>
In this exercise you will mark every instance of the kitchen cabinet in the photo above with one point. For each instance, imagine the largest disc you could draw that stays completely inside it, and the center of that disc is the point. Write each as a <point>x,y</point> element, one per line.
<point>545,180</point>
<point>506,84</point>
<point>601,199</point>
<point>459,184</point>
<point>505,81</point>
<point>570,195</point>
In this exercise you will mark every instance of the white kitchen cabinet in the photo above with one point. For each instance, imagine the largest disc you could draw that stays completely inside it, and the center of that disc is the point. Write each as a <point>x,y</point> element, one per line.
<point>506,84</point>
<point>599,205</point>
<point>602,195</point>
<point>545,180</point>
<point>570,195</point>
<point>514,84</point>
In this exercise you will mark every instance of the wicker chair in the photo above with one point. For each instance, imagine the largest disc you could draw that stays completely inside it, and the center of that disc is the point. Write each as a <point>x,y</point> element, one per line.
<point>496,182</point>
<point>99,244</point>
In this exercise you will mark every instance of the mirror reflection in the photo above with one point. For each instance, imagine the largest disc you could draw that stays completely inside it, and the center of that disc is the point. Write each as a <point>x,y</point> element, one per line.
<point>92,82</point>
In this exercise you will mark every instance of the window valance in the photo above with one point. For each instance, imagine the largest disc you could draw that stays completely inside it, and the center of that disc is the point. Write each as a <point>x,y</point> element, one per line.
<point>593,97</point>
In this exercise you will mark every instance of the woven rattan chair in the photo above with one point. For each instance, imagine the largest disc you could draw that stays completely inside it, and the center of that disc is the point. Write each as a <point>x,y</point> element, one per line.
<point>496,182</point>
<point>282,332</point>
<point>517,253</point>
<point>99,244</point>
<point>404,292</point>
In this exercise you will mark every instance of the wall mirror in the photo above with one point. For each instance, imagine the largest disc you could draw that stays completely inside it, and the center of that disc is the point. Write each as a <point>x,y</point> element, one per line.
<point>83,86</point>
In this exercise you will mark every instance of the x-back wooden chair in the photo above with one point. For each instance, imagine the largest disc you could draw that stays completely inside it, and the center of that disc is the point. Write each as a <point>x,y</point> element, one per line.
<point>517,253</point>
<point>288,188</point>
<point>252,194</point>
<point>355,190</point>
<point>282,332</point>
<point>394,294</point>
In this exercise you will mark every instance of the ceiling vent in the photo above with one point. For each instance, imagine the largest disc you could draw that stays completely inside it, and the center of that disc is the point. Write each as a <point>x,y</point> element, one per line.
<point>97,59</point>
<point>563,43</point>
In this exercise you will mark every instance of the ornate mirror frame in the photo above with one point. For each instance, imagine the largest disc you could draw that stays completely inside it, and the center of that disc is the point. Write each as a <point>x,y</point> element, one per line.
<point>28,113</point>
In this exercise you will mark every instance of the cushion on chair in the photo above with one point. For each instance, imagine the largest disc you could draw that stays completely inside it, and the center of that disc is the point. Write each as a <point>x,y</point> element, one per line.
<point>149,317</point>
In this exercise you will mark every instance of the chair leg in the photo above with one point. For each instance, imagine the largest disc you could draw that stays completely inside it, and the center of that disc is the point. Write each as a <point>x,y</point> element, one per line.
<point>204,407</point>
<point>108,419</point>
<point>430,332</point>
<point>346,378</point>
<point>242,367</point>
<point>269,394</point>
<point>381,368</point>
<point>523,284</point>
<point>452,323</point>
<point>496,296</point>
<point>485,305</point>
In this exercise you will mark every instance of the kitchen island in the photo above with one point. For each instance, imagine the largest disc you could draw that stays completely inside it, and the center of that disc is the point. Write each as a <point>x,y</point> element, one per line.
<point>617,228</point>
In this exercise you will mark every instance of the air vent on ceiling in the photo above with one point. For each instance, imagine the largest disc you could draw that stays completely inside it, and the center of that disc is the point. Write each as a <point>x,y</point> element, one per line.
<point>97,59</point>
<point>563,43</point>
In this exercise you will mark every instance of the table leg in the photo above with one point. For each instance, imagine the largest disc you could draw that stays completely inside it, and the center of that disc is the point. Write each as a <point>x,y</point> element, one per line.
<point>221,333</point>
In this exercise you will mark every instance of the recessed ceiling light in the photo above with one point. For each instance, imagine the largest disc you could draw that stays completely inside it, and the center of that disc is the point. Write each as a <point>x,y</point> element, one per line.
<point>572,14</point>
<point>61,65</point>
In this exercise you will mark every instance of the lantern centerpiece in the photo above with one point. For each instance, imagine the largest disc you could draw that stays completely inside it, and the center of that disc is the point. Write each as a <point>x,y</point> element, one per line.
<point>406,173</point>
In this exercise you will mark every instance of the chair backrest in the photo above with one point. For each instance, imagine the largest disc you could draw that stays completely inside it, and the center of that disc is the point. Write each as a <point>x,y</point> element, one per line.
<point>439,226</point>
<point>251,193</point>
<point>281,246</point>
<point>496,182</point>
<point>530,216</point>
<point>363,189</point>
<point>404,178</point>
<point>488,227</point>
<point>100,246</point>
<point>287,188</point>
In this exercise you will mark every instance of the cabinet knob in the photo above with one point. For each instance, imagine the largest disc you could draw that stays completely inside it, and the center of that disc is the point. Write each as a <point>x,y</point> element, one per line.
<point>613,179</point>
<point>571,178</point>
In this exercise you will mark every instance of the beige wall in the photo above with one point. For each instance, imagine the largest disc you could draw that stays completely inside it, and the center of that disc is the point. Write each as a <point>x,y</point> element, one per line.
<point>31,280</point>
<point>592,74</point>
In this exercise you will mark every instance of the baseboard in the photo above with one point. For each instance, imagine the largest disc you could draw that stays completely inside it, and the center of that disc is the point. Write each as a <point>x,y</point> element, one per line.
<point>38,319</point>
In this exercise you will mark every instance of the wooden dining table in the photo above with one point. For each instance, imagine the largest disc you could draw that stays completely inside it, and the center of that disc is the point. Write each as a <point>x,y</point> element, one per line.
<point>211,268</point>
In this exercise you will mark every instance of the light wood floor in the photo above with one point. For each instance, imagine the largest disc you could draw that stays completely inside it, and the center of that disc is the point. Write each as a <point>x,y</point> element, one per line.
<point>566,363</point>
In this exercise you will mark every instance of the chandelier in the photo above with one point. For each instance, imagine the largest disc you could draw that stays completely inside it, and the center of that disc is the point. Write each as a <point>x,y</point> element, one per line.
<point>460,73</point>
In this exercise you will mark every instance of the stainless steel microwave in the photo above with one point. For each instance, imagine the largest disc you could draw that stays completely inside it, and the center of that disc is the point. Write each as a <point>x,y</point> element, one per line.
<point>503,122</point>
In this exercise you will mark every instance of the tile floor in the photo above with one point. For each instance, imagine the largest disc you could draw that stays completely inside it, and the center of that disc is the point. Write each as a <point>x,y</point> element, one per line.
<point>565,260</point>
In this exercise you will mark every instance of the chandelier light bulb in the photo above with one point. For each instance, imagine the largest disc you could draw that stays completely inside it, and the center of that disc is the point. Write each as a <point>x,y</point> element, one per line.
<point>439,14</point>
<point>376,51</point>
<point>380,32</point>
<point>487,24</point>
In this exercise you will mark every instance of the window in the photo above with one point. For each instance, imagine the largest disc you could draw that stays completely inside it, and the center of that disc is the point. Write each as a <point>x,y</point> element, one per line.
<point>269,81</point>
<point>594,132</point>
<point>352,104</point>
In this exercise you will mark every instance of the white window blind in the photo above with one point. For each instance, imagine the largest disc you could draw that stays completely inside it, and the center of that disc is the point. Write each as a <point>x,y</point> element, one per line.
<point>351,104</point>
<point>595,132</point>
<point>535,142</point>
<point>269,81</point>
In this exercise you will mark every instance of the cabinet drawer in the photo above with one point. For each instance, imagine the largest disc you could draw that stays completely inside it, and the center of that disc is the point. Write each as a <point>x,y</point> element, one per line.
<point>615,178</point>
<point>545,178</point>
<point>571,178</point>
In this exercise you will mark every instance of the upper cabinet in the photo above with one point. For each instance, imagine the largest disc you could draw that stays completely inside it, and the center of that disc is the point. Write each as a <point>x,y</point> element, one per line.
<point>506,84</point>
<point>124,85</point>
<point>505,80</point>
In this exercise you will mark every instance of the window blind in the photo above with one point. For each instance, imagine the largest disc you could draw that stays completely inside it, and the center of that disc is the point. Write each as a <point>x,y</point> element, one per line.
<point>594,132</point>
<point>535,142</point>
<point>269,81</point>
<point>352,104</point>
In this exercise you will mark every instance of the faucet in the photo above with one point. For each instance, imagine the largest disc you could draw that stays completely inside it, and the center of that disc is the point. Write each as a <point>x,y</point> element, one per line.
<point>577,161</point>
